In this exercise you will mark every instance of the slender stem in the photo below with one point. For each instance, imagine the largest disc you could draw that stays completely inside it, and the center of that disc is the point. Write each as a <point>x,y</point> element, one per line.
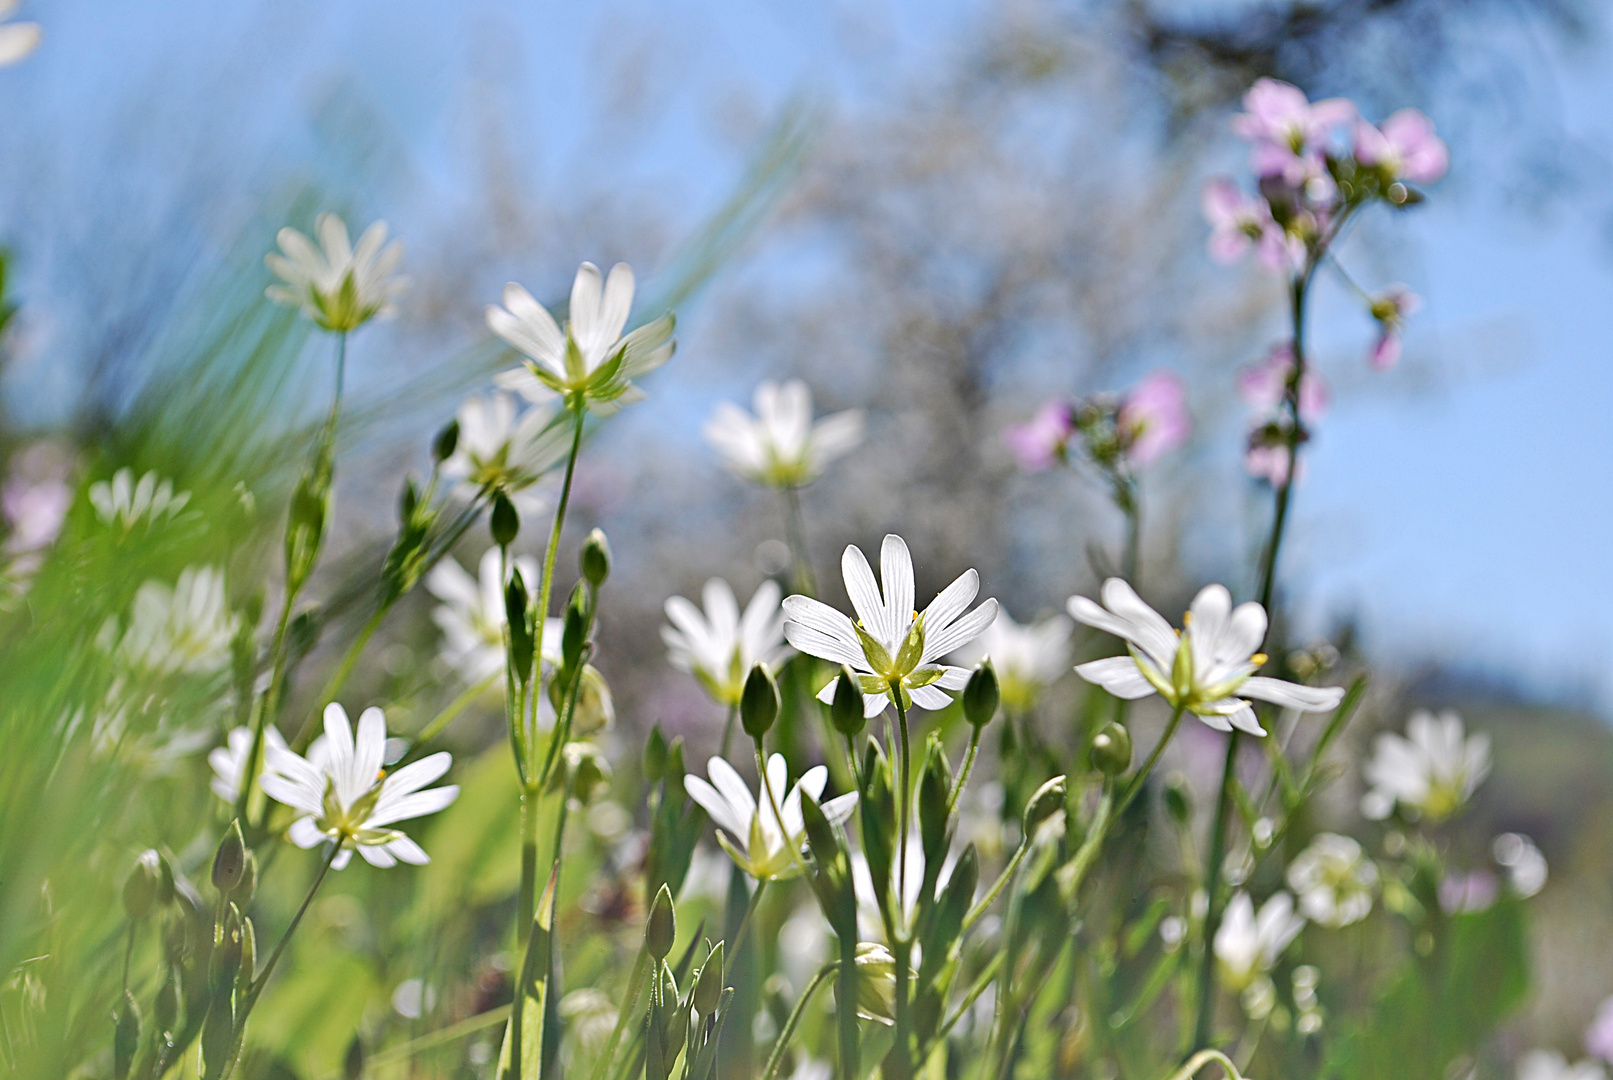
<point>904,798</point>
<point>996,889</point>
<point>963,773</point>
<point>740,937</point>
<point>1212,888</point>
<point>128,955</point>
<point>451,712</point>
<point>468,1026</point>
<point>530,796</point>
<point>1203,1058</point>
<point>806,582</point>
<point>776,1057</point>
<point>728,730</point>
<point>338,678</point>
<point>1142,774</point>
<point>635,982</point>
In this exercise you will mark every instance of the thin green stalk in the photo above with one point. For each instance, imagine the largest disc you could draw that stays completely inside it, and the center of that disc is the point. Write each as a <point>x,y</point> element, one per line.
<point>806,581</point>
<point>904,796</point>
<point>338,678</point>
<point>1203,1058</point>
<point>1142,774</point>
<point>728,730</point>
<point>740,937</point>
<point>963,773</point>
<point>451,712</point>
<point>635,982</point>
<point>776,1057</point>
<point>468,1026</point>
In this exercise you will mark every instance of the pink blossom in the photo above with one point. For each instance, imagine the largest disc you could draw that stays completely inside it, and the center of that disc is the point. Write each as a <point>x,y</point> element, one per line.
<point>1154,418</point>
<point>1390,308</point>
<point>1288,134</point>
<point>36,495</point>
<point>1599,1036</point>
<point>1405,147</point>
<point>1269,462</point>
<point>1262,385</point>
<point>1041,442</point>
<point>1236,220</point>
<point>1467,892</point>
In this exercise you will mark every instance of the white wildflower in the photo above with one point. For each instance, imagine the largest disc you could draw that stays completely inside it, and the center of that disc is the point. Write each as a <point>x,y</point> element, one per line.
<point>771,846</point>
<point>125,502</point>
<point>1431,773</point>
<point>17,39</point>
<point>186,627</point>
<point>1521,859</point>
<point>780,446</point>
<point>1027,656</point>
<point>1247,945</point>
<point>719,646</point>
<point>341,287</point>
<point>498,450</point>
<point>1334,880</point>
<point>229,761</point>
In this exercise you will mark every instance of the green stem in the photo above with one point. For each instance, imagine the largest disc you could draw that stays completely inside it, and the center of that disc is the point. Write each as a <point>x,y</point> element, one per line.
<point>728,730</point>
<point>776,1057</point>
<point>450,713</point>
<point>1203,1058</point>
<point>904,798</point>
<point>635,982</point>
<point>527,899</point>
<point>1212,888</point>
<point>338,678</point>
<point>1142,774</point>
<point>806,581</point>
<point>963,773</point>
<point>740,937</point>
<point>790,845</point>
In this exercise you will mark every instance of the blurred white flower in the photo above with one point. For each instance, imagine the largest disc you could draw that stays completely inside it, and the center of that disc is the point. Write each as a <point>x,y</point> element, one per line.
<point>1473,891</point>
<point>719,646</point>
<point>497,450</point>
<point>1027,657</point>
<point>1334,880</point>
<point>349,800</point>
<point>1599,1035</point>
<point>1248,945</point>
<point>780,446</point>
<point>124,502</point>
<point>184,628</point>
<point>590,358</point>
<point>341,287</point>
<point>590,1015</point>
<point>229,761</point>
<point>472,617</point>
<point>1431,773</point>
<point>1521,859</point>
<point>17,39</point>
<point>870,924</point>
<point>771,846</point>
<point>890,642</point>
<point>1550,1065</point>
<point>1200,671</point>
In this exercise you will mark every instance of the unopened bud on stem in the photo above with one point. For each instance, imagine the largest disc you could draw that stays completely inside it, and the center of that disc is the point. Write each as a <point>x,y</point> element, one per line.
<point>595,558</point>
<point>981,695</point>
<point>1111,750</point>
<point>846,708</point>
<point>759,702</point>
<point>662,927</point>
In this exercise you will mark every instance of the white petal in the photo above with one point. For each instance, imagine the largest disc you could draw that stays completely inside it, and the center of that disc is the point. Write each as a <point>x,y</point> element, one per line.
<point>1118,675</point>
<point>896,573</point>
<point>305,834</point>
<point>416,805</point>
<point>377,855</point>
<point>961,632</point>
<point>1149,630</point>
<point>406,850</point>
<point>338,742</point>
<point>838,809</point>
<point>930,697</point>
<point>343,857</point>
<point>949,603</point>
<point>863,592</point>
<point>712,802</point>
<point>726,779</point>
<point>1292,695</point>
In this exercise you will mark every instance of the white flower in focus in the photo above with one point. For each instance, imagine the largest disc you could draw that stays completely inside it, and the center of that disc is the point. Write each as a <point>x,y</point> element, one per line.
<point>590,358</point>
<point>229,761</point>
<point>1334,881</point>
<point>770,846</point>
<point>890,642</point>
<point>349,800</point>
<point>780,446</point>
<point>1550,1065</point>
<point>124,502</point>
<point>1027,656</point>
<point>719,646</point>
<point>1248,945</point>
<point>472,617</point>
<point>1199,671</point>
<point>1431,773</point>
<point>17,39</point>
<point>339,286</point>
<point>497,450</point>
<point>184,628</point>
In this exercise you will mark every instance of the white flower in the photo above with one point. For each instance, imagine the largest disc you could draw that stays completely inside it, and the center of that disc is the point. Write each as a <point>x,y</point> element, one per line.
<point>499,451</point>
<point>340,286</point>
<point>184,628</point>
<point>1525,865</point>
<point>890,642</point>
<point>780,446</point>
<point>870,922</point>
<point>1334,880</point>
<point>229,761</point>
<point>1199,672</point>
<point>770,846</point>
<point>590,359</point>
<point>1027,657</point>
<point>1550,1065</point>
<point>720,646</point>
<point>17,39</point>
<point>124,502</point>
<point>1248,945</point>
<point>472,616</point>
<point>349,800</point>
<point>1432,773</point>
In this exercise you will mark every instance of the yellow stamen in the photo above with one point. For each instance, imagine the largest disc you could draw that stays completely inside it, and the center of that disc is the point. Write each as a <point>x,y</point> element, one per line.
<point>1258,659</point>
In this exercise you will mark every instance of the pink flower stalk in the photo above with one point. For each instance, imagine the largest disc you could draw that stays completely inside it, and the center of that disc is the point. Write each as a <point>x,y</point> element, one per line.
<point>1599,1036</point>
<point>1288,133</point>
<point>1262,385</point>
<point>1405,147</point>
<point>1041,443</point>
<point>1390,308</point>
<point>1154,418</point>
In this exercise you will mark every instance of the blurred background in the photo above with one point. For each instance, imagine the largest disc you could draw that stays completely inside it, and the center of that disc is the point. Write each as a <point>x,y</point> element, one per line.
<point>942,212</point>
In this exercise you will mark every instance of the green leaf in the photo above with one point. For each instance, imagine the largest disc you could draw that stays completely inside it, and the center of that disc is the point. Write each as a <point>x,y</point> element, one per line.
<point>526,1029</point>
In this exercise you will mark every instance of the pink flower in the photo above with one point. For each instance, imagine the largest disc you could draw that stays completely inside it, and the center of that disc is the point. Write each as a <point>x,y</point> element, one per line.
<point>1263,384</point>
<point>1041,443</point>
<point>1269,462</point>
<point>1154,418</point>
<point>1405,147</point>
<point>1467,892</point>
<point>1288,133</point>
<point>1599,1036</point>
<point>36,495</point>
<point>1390,308</point>
<point>1236,220</point>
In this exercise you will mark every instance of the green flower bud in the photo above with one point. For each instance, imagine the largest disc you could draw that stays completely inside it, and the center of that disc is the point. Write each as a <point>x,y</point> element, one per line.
<point>504,521</point>
<point>708,988</point>
<point>661,929</point>
<point>249,954</point>
<point>1178,802</point>
<point>145,884</point>
<point>655,754</point>
<point>674,762</point>
<point>935,787</point>
<point>515,614</point>
<point>229,861</point>
<point>574,632</point>
<point>846,709</point>
<point>446,442</point>
<point>595,558</point>
<point>981,695</point>
<point>126,1039</point>
<point>353,1060</point>
<point>1111,750</point>
<point>166,1012</point>
<point>1047,801</point>
<point>759,703</point>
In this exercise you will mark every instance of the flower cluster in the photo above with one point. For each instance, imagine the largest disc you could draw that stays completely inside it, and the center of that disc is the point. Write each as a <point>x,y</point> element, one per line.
<point>1118,434</point>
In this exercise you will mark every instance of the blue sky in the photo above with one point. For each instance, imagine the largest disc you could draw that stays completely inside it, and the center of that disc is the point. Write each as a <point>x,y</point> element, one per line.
<point>1459,505</point>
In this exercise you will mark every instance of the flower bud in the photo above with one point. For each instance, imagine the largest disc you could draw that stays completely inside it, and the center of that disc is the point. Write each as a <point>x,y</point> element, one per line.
<point>1047,801</point>
<point>1178,803</point>
<point>126,1039</point>
<point>515,615</point>
<point>504,522</point>
<point>249,954</point>
<point>595,558</point>
<point>846,708</point>
<point>166,1012</point>
<point>446,442</point>
<point>981,694</point>
<point>144,886</point>
<point>674,762</point>
<point>935,788</point>
<point>1111,750</point>
<point>574,629</point>
<point>759,703</point>
<point>876,983</point>
<point>662,926</point>
<point>229,861</point>
<point>708,988</point>
<point>353,1060</point>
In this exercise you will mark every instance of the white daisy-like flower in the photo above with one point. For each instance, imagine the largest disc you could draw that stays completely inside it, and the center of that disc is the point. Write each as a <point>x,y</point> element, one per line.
<point>183,628</point>
<point>229,761</point>
<point>1550,1065</point>
<point>590,358</point>
<point>1248,945</point>
<point>349,800</point>
<point>1431,773</point>
<point>472,615</point>
<point>500,450</point>
<point>719,646</point>
<point>770,846</point>
<point>340,286</point>
<point>780,446</point>
<point>890,642</point>
<point>17,39</point>
<point>1334,880</point>
<point>1027,656</point>
<point>1202,671</point>
<point>125,502</point>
